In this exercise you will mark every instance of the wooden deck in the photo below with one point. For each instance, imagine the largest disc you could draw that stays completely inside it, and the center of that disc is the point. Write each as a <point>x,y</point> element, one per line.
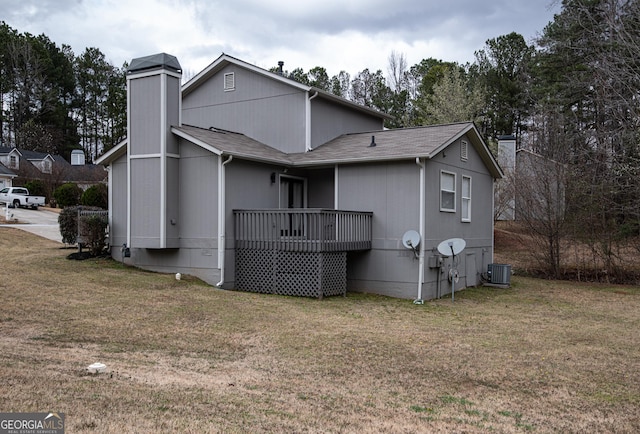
<point>303,230</point>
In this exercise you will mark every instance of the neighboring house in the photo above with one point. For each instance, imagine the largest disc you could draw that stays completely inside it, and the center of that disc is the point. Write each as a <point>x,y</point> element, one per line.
<point>533,186</point>
<point>10,157</point>
<point>42,161</point>
<point>53,170</point>
<point>505,192</point>
<point>6,176</point>
<point>252,181</point>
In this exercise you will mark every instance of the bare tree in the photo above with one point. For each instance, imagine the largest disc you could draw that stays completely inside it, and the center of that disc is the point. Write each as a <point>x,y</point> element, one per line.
<point>541,200</point>
<point>397,69</point>
<point>504,205</point>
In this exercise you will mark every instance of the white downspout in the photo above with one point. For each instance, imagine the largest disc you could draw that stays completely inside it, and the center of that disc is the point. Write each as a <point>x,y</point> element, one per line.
<point>308,123</point>
<point>421,164</point>
<point>222,227</point>
<point>128,162</point>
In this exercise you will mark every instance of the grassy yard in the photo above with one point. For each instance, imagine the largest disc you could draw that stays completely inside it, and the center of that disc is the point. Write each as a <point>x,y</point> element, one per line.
<point>542,356</point>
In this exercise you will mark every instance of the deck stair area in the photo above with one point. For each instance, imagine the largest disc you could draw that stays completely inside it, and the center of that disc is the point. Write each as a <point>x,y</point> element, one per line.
<point>300,252</point>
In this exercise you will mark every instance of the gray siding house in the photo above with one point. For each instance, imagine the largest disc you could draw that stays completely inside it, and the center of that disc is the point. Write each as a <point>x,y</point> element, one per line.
<point>252,181</point>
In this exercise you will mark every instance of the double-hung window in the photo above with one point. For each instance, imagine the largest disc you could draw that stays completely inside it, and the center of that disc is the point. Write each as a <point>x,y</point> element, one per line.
<point>447,191</point>
<point>466,198</point>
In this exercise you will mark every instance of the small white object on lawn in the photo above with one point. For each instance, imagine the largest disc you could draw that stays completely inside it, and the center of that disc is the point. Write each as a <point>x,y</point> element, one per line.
<point>178,276</point>
<point>96,368</point>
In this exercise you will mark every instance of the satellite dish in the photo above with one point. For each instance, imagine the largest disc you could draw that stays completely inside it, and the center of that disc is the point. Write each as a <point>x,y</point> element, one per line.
<point>451,247</point>
<point>411,239</point>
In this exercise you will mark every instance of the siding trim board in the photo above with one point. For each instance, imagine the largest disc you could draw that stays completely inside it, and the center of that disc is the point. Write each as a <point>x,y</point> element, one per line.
<point>163,162</point>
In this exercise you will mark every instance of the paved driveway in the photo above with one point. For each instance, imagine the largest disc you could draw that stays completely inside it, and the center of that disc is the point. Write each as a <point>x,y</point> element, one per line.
<point>39,222</point>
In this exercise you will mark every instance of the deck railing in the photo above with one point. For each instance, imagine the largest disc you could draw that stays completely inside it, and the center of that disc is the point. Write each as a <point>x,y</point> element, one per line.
<point>302,230</point>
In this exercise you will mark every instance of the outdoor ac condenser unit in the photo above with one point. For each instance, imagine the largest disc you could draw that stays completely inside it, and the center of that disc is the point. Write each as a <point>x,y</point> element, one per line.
<point>500,274</point>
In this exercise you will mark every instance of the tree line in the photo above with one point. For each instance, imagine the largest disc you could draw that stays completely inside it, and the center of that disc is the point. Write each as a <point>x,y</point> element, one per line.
<point>55,101</point>
<point>572,97</point>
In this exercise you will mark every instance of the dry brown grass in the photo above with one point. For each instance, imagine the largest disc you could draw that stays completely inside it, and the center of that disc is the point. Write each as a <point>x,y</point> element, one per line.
<point>578,261</point>
<point>3,220</point>
<point>542,356</point>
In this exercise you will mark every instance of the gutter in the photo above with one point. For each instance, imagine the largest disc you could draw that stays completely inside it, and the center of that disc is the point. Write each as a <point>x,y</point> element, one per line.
<point>421,164</point>
<point>308,121</point>
<point>222,227</point>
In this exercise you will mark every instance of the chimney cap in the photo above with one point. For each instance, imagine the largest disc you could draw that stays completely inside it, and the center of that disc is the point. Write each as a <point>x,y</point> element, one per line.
<point>155,61</point>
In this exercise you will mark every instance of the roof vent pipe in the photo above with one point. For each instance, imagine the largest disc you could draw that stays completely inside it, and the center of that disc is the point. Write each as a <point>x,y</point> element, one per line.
<point>280,67</point>
<point>373,142</point>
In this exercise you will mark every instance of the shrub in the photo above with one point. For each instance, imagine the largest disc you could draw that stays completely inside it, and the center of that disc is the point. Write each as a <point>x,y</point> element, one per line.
<point>67,195</point>
<point>93,229</point>
<point>37,188</point>
<point>68,221</point>
<point>96,195</point>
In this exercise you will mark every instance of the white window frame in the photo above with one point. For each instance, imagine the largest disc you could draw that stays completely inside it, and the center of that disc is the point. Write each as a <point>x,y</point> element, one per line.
<point>443,190</point>
<point>229,81</point>
<point>466,200</point>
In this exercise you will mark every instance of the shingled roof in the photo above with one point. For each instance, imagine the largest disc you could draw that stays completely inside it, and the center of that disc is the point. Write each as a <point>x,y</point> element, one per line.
<point>397,144</point>
<point>6,172</point>
<point>227,142</point>
<point>401,143</point>
<point>62,169</point>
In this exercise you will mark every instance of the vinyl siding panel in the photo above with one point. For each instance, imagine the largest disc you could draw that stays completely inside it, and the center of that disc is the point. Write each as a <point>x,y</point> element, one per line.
<point>173,114</point>
<point>248,186</point>
<point>263,109</point>
<point>198,197</point>
<point>390,191</point>
<point>478,233</point>
<point>144,100</point>
<point>118,205</point>
<point>329,121</point>
<point>145,202</point>
<point>197,262</point>
<point>445,223</point>
<point>172,205</point>
<point>320,187</point>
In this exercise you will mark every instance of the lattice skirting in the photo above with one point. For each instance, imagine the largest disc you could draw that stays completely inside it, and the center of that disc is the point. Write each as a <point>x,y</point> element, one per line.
<point>291,273</point>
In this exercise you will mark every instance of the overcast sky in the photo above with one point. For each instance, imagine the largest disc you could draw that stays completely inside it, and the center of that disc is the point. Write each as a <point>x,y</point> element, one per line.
<point>348,35</point>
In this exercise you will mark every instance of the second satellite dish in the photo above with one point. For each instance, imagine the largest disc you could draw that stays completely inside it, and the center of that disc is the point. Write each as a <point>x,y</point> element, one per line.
<point>452,246</point>
<point>411,239</point>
